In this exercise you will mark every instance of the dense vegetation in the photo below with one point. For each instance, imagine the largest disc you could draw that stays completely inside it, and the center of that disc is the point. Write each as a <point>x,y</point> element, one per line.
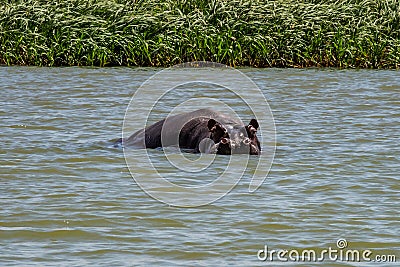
<point>280,33</point>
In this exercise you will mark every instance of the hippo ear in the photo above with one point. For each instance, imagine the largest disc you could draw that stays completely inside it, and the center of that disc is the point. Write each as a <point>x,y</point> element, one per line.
<point>211,123</point>
<point>254,123</point>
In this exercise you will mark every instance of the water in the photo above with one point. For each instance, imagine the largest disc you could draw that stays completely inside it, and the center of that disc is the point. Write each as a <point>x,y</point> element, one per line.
<point>67,197</point>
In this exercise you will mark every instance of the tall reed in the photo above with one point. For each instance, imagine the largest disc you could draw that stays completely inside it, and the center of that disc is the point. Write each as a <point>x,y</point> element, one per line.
<point>280,33</point>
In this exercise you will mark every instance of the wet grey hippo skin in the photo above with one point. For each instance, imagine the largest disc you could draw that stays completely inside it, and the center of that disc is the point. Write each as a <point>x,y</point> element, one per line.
<point>203,130</point>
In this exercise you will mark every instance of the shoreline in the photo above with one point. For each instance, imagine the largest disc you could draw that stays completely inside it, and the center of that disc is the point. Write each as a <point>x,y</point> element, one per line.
<point>280,34</point>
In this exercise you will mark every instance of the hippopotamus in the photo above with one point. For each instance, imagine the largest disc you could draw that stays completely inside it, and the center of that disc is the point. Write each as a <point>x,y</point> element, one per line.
<point>199,131</point>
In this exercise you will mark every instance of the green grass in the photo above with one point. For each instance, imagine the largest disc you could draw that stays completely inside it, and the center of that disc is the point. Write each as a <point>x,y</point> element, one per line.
<point>280,33</point>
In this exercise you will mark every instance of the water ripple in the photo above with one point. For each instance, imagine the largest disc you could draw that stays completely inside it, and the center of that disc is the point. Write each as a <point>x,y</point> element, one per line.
<point>68,198</point>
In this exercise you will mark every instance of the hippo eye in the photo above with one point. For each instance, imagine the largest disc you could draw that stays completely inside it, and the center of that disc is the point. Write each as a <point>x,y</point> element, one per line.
<point>224,140</point>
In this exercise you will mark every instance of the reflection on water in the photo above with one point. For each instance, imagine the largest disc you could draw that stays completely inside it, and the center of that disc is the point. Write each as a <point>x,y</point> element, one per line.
<point>68,198</point>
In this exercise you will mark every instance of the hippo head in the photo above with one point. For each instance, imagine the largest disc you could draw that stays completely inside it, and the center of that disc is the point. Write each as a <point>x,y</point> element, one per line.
<point>238,139</point>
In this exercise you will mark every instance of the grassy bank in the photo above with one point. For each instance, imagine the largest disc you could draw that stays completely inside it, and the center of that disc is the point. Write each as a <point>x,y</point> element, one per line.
<point>280,33</point>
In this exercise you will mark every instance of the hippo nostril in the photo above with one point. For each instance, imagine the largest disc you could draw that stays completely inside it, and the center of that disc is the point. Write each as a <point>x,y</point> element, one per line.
<point>246,141</point>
